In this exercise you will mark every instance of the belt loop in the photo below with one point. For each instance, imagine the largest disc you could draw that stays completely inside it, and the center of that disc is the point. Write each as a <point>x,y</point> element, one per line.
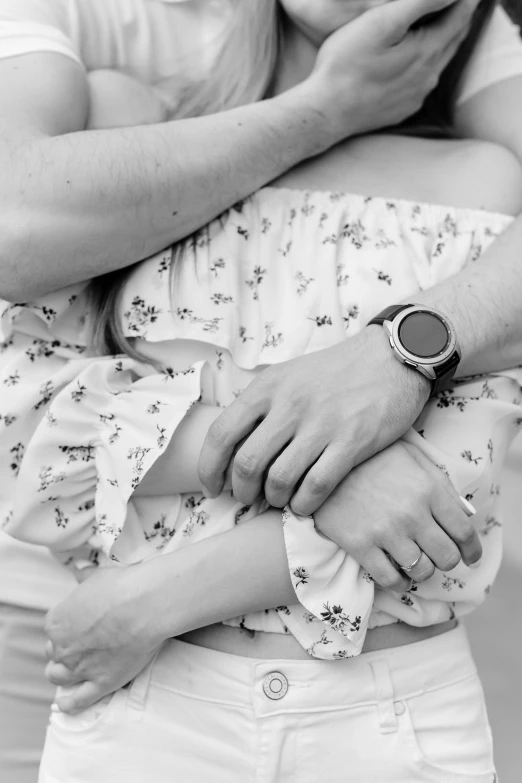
<point>384,693</point>
<point>139,687</point>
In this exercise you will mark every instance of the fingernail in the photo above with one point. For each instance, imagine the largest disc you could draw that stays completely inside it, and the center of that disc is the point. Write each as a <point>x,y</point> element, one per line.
<point>475,565</point>
<point>55,707</point>
<point>468,508</point>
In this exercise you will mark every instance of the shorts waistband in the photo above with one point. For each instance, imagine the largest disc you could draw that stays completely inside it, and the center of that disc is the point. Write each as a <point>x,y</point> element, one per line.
<point>309,686</point>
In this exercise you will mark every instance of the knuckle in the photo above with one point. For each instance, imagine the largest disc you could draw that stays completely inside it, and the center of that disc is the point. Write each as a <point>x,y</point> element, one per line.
<point>425,572</point>
<point>219,432</point>
<point>246,466</point>
<point>317,484</point>
<point>390,581</point>
<point>279,480</point>
<point>465,534</point>
<point>449,561</point>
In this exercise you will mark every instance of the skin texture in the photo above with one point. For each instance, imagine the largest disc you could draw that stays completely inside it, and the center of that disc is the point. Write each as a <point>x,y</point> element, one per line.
<point>113,197</point>
<point>305,424</point>
<point>430,500</point>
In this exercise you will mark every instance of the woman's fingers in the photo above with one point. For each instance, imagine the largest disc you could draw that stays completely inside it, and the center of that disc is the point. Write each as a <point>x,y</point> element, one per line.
<point>76,699</point>
<point>383,571</point>
<point>413,562</point>
<point>59,674</point>
<point>449,512</point>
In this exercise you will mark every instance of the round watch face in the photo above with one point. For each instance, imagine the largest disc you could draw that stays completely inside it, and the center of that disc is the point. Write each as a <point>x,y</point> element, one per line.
<point>424,335</point>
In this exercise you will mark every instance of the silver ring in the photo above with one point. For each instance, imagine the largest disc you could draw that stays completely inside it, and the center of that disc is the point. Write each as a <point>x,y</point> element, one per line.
<point>412,566</point>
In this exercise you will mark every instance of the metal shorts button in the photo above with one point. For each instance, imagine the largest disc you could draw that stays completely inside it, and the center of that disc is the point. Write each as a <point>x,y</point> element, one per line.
<point>275,685</point>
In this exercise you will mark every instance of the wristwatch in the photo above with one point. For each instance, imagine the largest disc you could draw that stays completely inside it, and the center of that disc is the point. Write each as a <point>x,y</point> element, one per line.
<point>422,338</point>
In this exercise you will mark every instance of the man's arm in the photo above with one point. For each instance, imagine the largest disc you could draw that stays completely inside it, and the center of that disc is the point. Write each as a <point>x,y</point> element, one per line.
<point>75,204</point>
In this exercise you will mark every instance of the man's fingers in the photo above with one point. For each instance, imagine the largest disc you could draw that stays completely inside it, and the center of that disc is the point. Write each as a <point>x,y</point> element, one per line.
<point>59,674</point>
<point>399,17</point>
<point>453,519</point>
<point>285,473</point>
<point>226,431</point>
<point>446,35</point>
<point>323,477</point>
<point>255,455</point>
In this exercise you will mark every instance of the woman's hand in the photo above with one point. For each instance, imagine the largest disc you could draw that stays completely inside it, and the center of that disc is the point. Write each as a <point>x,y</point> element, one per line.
<point>399,505</point>
<point>378,69</point>
<point>99,637</point>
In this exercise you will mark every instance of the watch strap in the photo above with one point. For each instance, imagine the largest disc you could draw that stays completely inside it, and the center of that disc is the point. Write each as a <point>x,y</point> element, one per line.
<point>388,314</point>
<point>445,373</point>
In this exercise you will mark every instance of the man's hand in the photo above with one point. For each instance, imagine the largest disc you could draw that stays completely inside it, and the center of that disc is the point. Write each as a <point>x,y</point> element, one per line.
<point>97,640</point>
<point>312,420</point>
<point>399,504</point>
<point>376,71</point>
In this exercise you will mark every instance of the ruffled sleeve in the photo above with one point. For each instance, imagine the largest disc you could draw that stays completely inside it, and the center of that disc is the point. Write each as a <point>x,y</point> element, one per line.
<point>102,432</point>
<point>465,432</point>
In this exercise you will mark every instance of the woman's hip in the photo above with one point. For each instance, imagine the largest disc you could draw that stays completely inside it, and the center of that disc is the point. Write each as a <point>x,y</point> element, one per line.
<point>412,713</point>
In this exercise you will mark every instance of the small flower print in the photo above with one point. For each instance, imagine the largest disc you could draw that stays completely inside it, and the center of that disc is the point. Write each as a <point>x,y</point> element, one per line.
<point>468,456</point>
<point>339,620</point>
<point>448,583</point>
<point>60,518</point>
<point>78,394</point>
<point>46,393</point>
<point>302,576</point>
<point>219,299</point>
<point>255,281</point>
<point>383,277</point>
<point>342,279</point>
<point>322,320</point>
<point>490,524</point>
<point>303,282</point>
<point>271,340</point>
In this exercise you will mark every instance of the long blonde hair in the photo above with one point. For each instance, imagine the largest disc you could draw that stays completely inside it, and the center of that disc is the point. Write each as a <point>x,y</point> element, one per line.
<point>243,71</point>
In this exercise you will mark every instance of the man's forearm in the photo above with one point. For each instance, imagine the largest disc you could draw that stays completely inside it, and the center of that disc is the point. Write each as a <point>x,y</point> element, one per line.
<point>484,302</point>
<point>90,202</point>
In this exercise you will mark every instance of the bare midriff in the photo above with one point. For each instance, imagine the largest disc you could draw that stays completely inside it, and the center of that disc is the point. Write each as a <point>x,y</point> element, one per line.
<point>269,646</point>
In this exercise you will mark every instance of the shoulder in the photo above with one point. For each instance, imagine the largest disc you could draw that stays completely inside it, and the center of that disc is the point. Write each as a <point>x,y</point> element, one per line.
<point>498,56</point>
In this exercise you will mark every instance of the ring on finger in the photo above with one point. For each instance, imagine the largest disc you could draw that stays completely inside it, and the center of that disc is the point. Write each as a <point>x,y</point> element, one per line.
<point>412,566</point>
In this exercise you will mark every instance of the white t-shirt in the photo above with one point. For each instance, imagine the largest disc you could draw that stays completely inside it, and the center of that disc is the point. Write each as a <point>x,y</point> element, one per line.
<point>162,42</point>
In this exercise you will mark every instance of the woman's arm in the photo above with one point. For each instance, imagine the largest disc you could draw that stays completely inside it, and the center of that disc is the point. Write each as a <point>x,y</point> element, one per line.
<point>176,470</point>
<point>109,627</point>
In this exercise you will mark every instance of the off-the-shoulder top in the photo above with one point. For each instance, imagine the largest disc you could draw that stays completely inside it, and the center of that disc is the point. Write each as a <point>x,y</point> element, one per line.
<point>281,274</point>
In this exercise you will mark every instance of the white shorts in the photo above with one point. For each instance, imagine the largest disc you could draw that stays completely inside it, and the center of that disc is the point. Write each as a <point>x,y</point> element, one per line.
<point>410,714</point>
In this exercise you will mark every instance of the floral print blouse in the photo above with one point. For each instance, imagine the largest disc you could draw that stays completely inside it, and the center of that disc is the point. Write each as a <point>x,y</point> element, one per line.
<point>281,274</point>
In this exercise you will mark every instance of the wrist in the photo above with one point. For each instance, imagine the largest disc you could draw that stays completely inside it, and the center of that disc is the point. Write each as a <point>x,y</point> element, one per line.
<point>323,121</point>
<point>415,385</point>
